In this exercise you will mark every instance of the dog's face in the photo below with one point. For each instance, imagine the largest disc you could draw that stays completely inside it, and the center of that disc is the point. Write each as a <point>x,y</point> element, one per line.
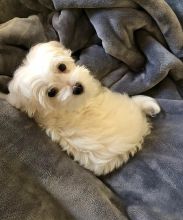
<point>49,79</point>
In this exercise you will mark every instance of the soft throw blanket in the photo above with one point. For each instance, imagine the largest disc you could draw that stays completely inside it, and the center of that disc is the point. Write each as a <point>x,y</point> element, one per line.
<point>133,46</point>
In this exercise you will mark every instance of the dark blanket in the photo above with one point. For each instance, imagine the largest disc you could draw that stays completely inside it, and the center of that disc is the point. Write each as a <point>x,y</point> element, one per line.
<point>133,46</point>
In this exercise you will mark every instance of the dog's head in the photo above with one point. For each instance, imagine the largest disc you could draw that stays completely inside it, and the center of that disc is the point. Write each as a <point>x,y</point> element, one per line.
<point>49,79</point>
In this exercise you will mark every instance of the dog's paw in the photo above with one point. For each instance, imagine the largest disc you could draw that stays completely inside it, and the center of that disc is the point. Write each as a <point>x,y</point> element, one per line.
<point>148,105</point>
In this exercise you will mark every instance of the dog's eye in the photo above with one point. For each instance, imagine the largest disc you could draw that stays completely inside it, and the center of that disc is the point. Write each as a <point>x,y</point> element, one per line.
<point>62,67</point>
<point>52,92</point>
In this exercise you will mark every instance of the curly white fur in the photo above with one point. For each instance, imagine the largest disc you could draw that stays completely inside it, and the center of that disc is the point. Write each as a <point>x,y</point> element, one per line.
<point>99,128</point>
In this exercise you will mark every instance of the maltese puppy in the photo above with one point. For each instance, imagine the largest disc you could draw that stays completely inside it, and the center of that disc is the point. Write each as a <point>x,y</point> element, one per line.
<point>98,127</point>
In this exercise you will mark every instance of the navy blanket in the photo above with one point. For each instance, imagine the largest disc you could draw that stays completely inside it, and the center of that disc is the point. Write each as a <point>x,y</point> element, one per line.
<point>133,46</point>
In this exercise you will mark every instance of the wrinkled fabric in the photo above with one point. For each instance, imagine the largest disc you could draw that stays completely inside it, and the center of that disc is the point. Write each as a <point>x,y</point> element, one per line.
<point>39,181</point>
<point>132,46</point>
<point>151,184</point>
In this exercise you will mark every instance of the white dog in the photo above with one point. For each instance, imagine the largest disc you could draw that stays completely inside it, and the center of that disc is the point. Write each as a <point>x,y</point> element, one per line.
<point>100,128</point>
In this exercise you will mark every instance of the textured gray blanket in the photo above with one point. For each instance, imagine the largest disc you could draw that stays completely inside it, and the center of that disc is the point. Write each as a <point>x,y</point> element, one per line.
<point>133,46</point>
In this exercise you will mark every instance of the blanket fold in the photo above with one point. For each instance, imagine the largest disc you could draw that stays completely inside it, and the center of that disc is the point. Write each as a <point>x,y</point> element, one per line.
<point>116,26</point>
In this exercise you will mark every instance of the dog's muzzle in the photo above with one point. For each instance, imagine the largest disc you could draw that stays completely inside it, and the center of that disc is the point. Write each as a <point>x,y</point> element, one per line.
<point>78,89</point>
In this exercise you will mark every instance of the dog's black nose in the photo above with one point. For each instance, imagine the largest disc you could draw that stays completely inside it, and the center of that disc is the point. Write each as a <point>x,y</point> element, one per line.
<point>78,89</point>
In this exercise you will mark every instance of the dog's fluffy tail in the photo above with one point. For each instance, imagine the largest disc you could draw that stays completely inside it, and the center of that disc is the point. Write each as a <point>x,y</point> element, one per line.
<point>3,96</point>
<point>148,105</point>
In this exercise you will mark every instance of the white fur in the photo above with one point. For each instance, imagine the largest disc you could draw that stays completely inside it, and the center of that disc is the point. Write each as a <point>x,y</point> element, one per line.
<point>99,128</point>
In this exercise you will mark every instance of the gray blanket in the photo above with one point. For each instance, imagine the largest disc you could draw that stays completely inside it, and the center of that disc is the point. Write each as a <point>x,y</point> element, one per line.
<point>133,46</point>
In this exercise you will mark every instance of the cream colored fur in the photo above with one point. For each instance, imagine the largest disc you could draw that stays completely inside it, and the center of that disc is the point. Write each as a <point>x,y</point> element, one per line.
<point>99,128</point>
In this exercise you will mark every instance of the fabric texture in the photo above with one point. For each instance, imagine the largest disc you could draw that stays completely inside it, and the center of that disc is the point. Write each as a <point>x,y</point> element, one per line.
<point>133,46</point>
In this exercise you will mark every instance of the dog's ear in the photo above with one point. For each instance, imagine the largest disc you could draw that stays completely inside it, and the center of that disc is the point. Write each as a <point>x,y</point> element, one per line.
<point>30,109</point>
<point>19,101</point>
<point>20,95</point>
